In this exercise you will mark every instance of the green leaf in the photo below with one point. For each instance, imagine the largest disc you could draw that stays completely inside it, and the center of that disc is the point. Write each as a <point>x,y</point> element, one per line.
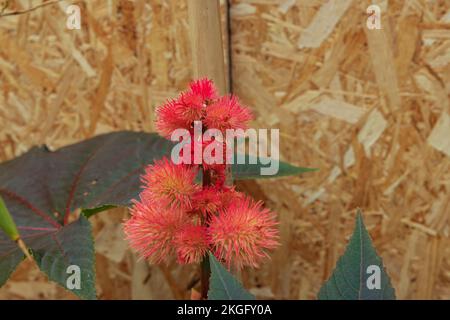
<point>72,245</point>
<point>13,256</point>
<point>90,212</point>
<point>7,223</point>
<point>253,166</point>
<point>223,286</point>
<point>42,188</point>
<point>354,277</point>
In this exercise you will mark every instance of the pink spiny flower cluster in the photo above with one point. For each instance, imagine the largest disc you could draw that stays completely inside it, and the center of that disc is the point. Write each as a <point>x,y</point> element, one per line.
<point>177,215</point>
<point>202,103</point>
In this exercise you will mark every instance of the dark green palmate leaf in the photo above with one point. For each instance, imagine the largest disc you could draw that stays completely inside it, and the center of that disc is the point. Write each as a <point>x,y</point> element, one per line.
<point>71,246</point>
<point>223,285</point>
<point>359,273</point>
<point>254,168</point>
<point>42,188</point>
<point>10,256</point>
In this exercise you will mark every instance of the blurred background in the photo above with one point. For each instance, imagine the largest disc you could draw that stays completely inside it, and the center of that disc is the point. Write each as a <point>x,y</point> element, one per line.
<point>369,108</point>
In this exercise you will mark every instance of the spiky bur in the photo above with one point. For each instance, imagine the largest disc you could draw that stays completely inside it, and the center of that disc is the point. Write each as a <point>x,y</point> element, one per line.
<point>152,228</point>
<point>207,201</point>
<point>241,233</point>
<point>190,106</point>
<point>175,216</point>
<point>191,244</point>
<point>171,184</point>
<point>227,113</point>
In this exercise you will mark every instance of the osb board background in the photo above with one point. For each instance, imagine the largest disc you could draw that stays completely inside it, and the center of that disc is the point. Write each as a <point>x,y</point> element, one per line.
<point>370,108</point>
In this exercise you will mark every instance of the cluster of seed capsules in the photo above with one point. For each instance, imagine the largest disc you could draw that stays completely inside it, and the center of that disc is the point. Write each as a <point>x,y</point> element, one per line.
<point>178,216</point>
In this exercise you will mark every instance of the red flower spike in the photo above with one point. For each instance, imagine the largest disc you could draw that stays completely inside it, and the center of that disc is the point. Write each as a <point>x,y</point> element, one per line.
<point>166,218</point>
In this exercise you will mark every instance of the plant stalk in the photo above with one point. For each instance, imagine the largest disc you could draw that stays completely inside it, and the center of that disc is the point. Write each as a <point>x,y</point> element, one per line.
<point>205,270</point>
<point>208,61</point>
<point>205,273</point>
<point>24,249</point>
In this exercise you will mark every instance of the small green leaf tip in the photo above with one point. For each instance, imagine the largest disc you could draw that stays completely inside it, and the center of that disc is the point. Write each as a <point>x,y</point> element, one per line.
<point>7,223</point>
